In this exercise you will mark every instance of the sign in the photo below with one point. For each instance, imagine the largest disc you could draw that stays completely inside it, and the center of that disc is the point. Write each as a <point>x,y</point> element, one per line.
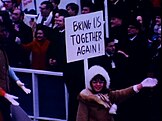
<point>84,36</point>
<point>28,6</point>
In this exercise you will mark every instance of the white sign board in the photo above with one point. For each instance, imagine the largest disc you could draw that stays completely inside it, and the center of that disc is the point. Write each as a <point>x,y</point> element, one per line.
<point>84,36</point>
<point>28,5</point>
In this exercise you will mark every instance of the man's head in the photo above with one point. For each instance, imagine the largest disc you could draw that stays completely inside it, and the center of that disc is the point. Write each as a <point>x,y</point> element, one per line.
<point>139,19</point>
<point>72,9</point>
<point>87,7</point>
<point>116,17</point>
<point>133,28</point>
<point>60,16</point>
<point>158,20</point>
<point>8,4</point>
<point>17,16</point>
<point>115,21</point>
<point>45,8</point>
<point>55,3</point>
<point>110,46</point>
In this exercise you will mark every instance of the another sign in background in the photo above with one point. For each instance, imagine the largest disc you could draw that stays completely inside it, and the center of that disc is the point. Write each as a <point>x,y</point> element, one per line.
<point>84,36</point>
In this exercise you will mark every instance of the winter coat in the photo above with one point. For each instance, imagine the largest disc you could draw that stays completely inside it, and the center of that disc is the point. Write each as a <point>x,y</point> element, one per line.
<point>91,109</point>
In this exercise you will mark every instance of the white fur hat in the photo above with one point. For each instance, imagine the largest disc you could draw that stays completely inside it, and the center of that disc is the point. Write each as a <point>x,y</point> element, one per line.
<point>95,70</point>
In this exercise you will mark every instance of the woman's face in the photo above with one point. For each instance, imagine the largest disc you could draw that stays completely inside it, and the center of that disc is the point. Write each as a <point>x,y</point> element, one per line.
<point>97,85</point>
<point>40,35</point>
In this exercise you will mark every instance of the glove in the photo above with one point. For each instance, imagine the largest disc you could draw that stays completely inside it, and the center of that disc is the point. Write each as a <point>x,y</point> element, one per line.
<point>26,90</point>
<point>149,82</point>
<point>113,109</point>
<point>11,98</point>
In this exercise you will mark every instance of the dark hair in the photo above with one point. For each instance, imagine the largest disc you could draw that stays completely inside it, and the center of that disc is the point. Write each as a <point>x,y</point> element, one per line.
<point>73,6</point>
<point>108,40</point>
<point>56,1</point>
<point>43,28</point>
<point>88,4</point>
<point>6,19</point>
<point>48,5</point>
<point>63,12</point>
<point>134,23</point>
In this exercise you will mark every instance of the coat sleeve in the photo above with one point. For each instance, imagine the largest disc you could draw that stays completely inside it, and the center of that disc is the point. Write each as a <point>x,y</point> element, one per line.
<point>82,113</point>
<point>2,92</point>
<point>121,95</point>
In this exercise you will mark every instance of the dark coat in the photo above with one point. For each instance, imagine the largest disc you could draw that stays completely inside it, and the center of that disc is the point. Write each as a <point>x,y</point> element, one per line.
<point>16,55</point>
<point>4,79</point>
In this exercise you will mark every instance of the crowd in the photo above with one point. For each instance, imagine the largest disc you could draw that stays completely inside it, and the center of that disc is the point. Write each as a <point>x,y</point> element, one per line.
<point>133,49</point>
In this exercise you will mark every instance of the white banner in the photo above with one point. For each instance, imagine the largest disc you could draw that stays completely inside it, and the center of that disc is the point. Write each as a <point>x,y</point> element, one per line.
<point>84,36</point>
<point>28,6</point>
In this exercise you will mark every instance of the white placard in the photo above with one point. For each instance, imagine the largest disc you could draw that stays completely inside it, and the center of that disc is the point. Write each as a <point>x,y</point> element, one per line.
<point>84,36</point>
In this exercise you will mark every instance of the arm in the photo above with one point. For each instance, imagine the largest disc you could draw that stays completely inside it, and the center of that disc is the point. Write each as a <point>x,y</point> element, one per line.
<point>27,46</point>
<point>89,96</point>
<point>19,83</point>
<point>123,94</point>
<point>146,83</point>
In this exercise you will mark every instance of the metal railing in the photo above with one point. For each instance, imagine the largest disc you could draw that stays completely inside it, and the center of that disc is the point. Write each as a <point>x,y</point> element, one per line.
<point>35,93</point>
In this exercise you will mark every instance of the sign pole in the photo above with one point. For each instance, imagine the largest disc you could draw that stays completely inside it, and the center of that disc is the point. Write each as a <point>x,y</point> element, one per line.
<point>85,69</point>
<point>106,19</point>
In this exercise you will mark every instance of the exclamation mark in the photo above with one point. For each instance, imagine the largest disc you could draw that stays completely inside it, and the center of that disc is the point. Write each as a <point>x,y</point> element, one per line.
<point>99,47</point>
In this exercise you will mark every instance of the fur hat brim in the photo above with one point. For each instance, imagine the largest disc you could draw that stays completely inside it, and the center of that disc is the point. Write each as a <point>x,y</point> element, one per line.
<point>95,70</point>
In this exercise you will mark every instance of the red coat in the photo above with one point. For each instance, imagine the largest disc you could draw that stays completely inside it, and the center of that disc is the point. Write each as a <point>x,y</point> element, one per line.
<point>38,49</point>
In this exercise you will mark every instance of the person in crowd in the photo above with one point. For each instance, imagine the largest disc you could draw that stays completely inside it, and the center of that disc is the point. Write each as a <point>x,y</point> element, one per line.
<point>136,69</point>
<point>138,57</point>
<point>144,28</point>
<point>98,102</point>
<point>156,28</point>
<point>55,4</point>
<point>155,55</point>
<point>9,5</point>
<point>24,33</point>
<point>72,9</point>
<point>46,14</point>
<point>5,19</point>
<point>6,72</point>
<point>56,57</point>
<point>38,48</point>
<point>118,24</point>
<point>57,62</point>
<point>114,62</point>
<point>87,7</point>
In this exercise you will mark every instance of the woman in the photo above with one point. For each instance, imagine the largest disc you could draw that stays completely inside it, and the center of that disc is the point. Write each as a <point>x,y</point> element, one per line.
<point>97,102</point>
<point>38,48</point>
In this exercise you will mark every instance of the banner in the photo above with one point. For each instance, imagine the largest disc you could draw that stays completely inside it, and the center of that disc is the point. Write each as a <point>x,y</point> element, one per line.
<point>84,36</point>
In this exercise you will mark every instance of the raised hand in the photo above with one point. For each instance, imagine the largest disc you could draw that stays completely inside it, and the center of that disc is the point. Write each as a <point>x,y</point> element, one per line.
<point>11,98</point>
<point>149,82</point>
